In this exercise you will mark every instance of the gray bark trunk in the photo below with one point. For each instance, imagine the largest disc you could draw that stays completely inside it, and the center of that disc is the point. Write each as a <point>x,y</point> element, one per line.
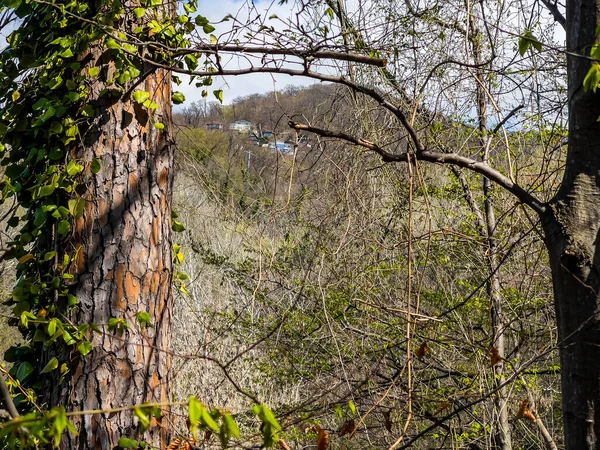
<point>572,225</point>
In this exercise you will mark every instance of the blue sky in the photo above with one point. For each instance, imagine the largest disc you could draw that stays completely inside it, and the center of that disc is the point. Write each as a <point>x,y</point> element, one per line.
<point>234,87</point>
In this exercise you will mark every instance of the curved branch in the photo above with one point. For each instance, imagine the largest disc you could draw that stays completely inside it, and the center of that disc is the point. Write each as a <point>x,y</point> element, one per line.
<point>216,48</point>
<point>434,157</point>
<point>553,8</point>
<point>379,98</point>
<point>421,152</point>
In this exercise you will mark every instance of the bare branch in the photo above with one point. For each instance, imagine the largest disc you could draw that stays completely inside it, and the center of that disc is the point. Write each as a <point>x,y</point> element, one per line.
<point>553,8</point>
<point>305,72</point>
<point>468,196</point>
<point>434,157</point>
<point>508,116</point>
<point>302,54</point>
<point>427,14</point>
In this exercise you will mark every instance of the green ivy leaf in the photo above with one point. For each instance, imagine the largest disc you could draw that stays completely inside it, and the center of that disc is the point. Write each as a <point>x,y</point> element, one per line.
<point>150,105</point>
<point>63,226</point>
<point>93,71</point>
<point>178,97</point>
<point>207,421</point>
<point>72,131</point>
<point>177,226</point>
<point>219,95</point>
<point>112,44</point>
<point>140,96</point>
<point>268,417</point>
<point>95,166</point>
<point>201,20</point>
<point>72,96</point>
<point>24,370</point>
<point>191,62</point>
<point>194,414</point>
<point>592,78</point>
<point>139,12</point>
<point>73,168</point>
<point>52,327</point>
<point>52,364</point>
<point>46,190</point>
<point>48,114</point>
<point>87,111</point>
<point>130,48</point>
<point>66,53</point>
<point>143,319</point>
<point>126,442</point>
<point>56,127</point>
<point>84,347</point>
<point>76,207</point>
<point>526,40</point>
<point>189,8</point>
<point>229,429</point>
<point>352,408</point>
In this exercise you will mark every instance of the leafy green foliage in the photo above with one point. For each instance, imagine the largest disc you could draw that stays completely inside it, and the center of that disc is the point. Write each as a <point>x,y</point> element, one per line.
<point>270,426</point>
<point>50,106</point>
<point>528,40</point>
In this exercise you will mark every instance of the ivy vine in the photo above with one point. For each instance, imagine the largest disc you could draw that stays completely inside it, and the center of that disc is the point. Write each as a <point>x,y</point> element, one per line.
<point>46,83</point>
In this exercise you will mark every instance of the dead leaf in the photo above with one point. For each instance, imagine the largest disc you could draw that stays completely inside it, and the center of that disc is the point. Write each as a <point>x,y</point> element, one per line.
<point>283,445</point>
<point>525,412</point>
<point>174,445</point>
<point>347,428</point>
<point>181,444</point>
<point>322,436</point>
<point>322,439</point>
<point>495,357</point>
<point>422,351</point>
<point>442,407</point>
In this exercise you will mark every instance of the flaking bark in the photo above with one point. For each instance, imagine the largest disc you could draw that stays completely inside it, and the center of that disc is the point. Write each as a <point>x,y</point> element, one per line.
<point>123,264</point>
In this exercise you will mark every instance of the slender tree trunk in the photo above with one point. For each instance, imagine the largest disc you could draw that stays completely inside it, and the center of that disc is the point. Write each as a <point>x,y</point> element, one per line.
<point>501,437</point>
<point>123,264</point>
<point>572,227</point>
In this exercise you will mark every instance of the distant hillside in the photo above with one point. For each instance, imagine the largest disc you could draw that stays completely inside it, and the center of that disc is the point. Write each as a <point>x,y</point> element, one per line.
<point>271,112</point>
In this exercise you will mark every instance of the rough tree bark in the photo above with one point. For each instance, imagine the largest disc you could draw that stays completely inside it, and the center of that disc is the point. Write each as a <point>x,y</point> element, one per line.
<point>123,263</point>
<point>572,226</point>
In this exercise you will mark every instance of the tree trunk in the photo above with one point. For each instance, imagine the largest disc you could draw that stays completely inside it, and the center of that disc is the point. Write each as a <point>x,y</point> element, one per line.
<point>123,264</point>
<point>501,436</point>
<point>572,227</point>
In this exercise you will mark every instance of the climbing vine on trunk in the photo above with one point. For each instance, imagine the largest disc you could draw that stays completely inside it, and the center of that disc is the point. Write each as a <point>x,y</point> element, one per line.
<point>82,89</point>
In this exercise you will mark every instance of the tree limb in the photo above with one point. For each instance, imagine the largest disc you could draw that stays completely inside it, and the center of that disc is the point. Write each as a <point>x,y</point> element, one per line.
<point>553,8</point>
<point>303,54</point>
<point>434,157</point>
